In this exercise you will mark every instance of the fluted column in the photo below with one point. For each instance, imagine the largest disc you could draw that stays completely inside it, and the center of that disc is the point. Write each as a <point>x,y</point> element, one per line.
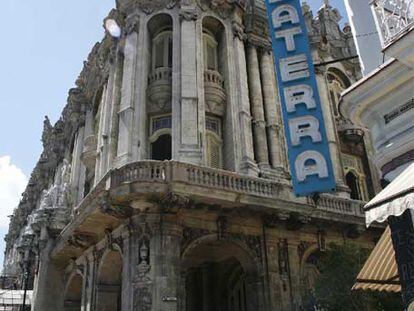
<point>271,102</point>
<point>241,93</point>
<point>256,102</point>
<point>331,132</point>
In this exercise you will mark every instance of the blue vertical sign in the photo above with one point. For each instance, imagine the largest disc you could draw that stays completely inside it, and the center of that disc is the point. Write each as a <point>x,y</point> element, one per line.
<point>308,147</point>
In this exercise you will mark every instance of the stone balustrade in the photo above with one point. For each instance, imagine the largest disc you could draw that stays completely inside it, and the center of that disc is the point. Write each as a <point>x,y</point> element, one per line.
<point>178,172</point>
<point>160,85</point>
<point>338,205</point>
<point>160,74</point>
<point>214,94</point>
<point>212,76</point>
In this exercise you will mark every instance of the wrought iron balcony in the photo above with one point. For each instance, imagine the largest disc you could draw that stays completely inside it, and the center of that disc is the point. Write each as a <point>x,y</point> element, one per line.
<point>394,17</point>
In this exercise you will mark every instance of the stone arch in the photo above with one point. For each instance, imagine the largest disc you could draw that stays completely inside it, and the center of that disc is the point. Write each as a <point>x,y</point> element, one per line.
<point>309,273</point>
<point>340,75</point>
<point>229,271</point>
<point>248,257</point>
<point>73,292</point>
<point>109,280</point>
<point>337,81</point>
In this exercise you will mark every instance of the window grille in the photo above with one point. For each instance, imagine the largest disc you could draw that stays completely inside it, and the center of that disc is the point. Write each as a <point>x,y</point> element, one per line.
<point>159,123</point>
<point>213,125</point>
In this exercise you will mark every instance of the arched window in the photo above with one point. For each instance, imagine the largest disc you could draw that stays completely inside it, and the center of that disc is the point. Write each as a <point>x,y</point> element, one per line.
<point>73,295</point>
<point>109,282</point>
<point>214,142</point>
<point>355,177</point>
<point>162,50</point>
<point>352,182</point>
<point>210,46</point>
<point>160,138</point>
<point>337,83</point>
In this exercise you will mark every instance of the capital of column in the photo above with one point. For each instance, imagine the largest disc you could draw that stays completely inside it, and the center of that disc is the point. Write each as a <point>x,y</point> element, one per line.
<point>238,31</point>
<point>132,24</point>
<point>189,14</point>
<point>259,123</point>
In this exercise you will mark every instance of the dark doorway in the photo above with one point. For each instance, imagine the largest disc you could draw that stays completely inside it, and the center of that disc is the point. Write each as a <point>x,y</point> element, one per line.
<point>220,276</point>
<point>352,182</point>
<point>161,148</point>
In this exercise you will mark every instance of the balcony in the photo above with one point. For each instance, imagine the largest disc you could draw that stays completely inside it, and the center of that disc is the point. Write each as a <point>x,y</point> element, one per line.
<point>177,186</point>
<point>394,19</point>
<point>160,87</point>
<point>214,94</point>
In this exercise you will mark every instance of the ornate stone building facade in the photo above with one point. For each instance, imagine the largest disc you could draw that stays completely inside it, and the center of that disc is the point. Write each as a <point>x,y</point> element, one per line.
<point>165,184</point>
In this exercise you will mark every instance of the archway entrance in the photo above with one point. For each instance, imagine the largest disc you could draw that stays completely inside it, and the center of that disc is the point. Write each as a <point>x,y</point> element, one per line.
<point>109,286</point>
<point>73,296</point>
<point>219,277</point>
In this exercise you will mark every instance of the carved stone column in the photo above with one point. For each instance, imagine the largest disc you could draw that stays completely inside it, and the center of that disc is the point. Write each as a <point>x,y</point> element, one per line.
<point>166,245</point>
<point>256,101</point>
<point>114,109</point>
<point>78,170</point>
<point>128,95</point>
<point>248,165</point>
<point>49,284</point>
<point>271,104</point>
<point>294,266</point>
<point>191,76</point>
<point>127,269</point>
<point>90,275</point>
<point>331,132</point>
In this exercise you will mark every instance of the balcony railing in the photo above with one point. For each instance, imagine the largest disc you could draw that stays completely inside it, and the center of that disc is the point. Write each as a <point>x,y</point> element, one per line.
<point>393,18</point>
<point>178,172</point>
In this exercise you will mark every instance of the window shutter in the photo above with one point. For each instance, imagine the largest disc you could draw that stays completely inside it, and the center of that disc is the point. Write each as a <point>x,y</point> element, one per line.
<point>214,153</point>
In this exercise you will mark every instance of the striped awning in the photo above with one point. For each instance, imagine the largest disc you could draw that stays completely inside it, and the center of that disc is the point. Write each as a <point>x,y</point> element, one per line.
<point>380,272</point>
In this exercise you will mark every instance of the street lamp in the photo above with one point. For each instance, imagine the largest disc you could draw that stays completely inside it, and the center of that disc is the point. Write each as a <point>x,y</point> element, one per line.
<point>112,27</point>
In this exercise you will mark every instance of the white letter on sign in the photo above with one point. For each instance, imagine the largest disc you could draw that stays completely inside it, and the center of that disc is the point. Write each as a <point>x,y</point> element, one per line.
<point>279,18</point>
<point>299,94</point>
<point>289,34</point>
<point>294,67</point>
<point>302,127</point>
<point>317,165</point>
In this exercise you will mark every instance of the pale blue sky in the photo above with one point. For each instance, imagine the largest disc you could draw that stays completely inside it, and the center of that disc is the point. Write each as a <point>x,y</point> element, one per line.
<point>43,46</point>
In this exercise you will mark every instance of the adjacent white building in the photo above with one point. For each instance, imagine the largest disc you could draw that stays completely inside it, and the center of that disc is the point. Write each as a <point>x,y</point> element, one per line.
<point>383,101</point>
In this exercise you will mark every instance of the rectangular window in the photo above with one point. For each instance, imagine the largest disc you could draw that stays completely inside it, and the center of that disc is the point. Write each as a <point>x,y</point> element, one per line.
<point>213,125</point>
<point>170,52</point>
<point>211,57</point>
<point>159,54</point>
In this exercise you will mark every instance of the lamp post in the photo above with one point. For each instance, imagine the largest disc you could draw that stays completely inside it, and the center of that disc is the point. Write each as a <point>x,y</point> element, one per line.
<point>26,272</point>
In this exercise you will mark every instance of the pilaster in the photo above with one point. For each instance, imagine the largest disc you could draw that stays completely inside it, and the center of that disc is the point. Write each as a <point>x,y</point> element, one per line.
<point>191,84</point>
<point>126,108</point>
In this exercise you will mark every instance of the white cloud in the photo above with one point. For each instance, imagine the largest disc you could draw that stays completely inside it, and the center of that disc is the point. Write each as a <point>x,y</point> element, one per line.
<point>12,184</point>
